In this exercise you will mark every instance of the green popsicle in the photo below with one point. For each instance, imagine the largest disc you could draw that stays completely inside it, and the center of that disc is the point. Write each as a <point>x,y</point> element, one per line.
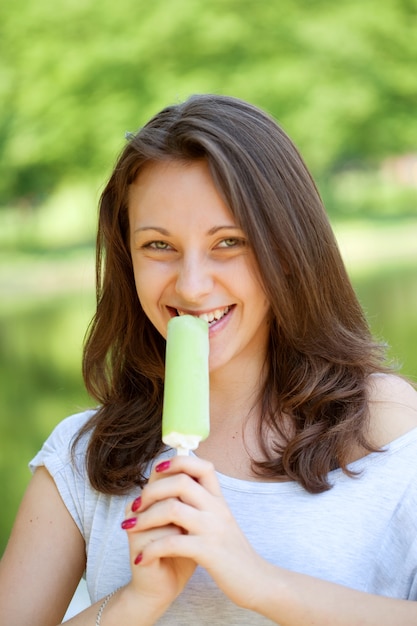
<point>185,416</point>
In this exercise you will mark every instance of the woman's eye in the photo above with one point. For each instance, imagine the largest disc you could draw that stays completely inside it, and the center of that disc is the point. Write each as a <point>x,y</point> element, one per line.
<point>157,245</point>
<point>232,242</point>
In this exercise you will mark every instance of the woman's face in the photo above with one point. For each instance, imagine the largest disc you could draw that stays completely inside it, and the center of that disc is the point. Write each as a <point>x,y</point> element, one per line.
<point>189,256</point>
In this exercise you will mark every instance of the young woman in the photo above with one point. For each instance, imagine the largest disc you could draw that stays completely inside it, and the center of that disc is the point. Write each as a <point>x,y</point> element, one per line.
<point>301,506</point>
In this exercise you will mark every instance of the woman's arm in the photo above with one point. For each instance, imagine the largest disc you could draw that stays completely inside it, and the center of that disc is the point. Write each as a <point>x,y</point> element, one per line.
<point>293,599</point>
<point>44,559</point>
<point>124,608</point>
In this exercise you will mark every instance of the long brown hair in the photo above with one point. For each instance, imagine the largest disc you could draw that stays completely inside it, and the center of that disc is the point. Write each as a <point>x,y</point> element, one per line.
<point>321,352</point>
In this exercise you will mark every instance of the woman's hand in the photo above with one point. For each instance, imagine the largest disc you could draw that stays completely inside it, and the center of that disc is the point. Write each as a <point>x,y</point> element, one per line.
<point>161,579</point>
<point>182,520</point>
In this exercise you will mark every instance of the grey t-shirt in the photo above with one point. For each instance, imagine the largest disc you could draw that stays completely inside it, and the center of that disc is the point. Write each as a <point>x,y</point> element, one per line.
<point>362,533</point>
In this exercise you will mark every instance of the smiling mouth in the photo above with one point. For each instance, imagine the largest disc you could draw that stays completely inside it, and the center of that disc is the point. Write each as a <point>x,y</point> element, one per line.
<point>211,317</point>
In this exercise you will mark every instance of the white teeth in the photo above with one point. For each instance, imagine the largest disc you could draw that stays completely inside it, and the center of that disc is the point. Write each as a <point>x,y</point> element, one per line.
<point>211,316</point>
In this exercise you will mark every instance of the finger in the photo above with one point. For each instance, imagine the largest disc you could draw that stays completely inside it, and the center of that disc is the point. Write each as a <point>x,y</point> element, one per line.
<point>178,486</point>
<point>133,506</point>
<point>138,541</point>
<point>172,511</point>
<point>170,546</point>
<point>200,470</point>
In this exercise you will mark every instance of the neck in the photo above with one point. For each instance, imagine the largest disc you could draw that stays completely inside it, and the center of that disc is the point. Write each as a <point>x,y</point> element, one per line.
<point>239,381</point>
<point>234,419</point>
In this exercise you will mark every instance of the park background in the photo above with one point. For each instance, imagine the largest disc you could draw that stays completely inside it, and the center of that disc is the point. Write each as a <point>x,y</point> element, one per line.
<point>75,75</point>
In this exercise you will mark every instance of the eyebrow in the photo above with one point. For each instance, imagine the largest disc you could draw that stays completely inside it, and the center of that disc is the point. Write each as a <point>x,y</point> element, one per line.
<point>159,229</point>
<point>166,232</point>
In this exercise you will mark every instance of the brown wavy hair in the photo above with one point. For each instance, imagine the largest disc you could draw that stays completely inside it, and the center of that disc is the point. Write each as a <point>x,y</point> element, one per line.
<point>321,351</point>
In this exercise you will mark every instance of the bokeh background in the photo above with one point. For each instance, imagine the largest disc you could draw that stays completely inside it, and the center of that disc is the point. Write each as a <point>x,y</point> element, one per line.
<point>75,75</point>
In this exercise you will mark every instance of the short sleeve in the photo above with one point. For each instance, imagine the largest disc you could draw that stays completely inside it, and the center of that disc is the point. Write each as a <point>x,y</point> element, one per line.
<point>396,571</point>
<point>67,470</point>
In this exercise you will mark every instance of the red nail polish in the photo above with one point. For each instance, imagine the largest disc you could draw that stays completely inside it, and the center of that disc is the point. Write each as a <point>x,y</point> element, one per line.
<point>128,523</point>
<point>162,467</point>
<point>136,504</point>
<point>138,559</point>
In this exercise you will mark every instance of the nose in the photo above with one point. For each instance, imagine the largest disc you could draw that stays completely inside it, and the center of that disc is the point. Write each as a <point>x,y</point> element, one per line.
<point>194,280</point>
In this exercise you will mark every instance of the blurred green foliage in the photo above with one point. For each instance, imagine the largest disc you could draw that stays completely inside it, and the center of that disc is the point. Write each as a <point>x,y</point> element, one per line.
<point>389,298</point>
<point>40,347</point>
<point>76,75</point>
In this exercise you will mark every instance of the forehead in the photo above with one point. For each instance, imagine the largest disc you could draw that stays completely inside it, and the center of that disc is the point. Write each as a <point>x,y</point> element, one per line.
<point>152,173</point>
<point>163,188</point>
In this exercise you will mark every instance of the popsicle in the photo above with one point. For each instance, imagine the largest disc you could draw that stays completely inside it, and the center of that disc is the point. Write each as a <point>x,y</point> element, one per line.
<point>185,415</point>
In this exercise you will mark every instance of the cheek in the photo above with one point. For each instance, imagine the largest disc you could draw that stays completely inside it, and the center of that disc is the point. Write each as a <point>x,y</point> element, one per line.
<point>146,295</point>
<point>149,291</point>
<point>150,308</point>
<point>145,287</point>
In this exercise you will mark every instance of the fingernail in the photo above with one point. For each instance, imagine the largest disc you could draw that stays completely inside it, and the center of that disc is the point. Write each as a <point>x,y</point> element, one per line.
<point>138,559</point>
<point>136,504</point>
<point>128,523</point>
<point>162,467</point>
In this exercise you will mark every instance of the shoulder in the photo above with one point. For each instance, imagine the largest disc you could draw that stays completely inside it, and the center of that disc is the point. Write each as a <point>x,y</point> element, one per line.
<point>69,427</point>
<point>58,444</point>
<point>392,408</point>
